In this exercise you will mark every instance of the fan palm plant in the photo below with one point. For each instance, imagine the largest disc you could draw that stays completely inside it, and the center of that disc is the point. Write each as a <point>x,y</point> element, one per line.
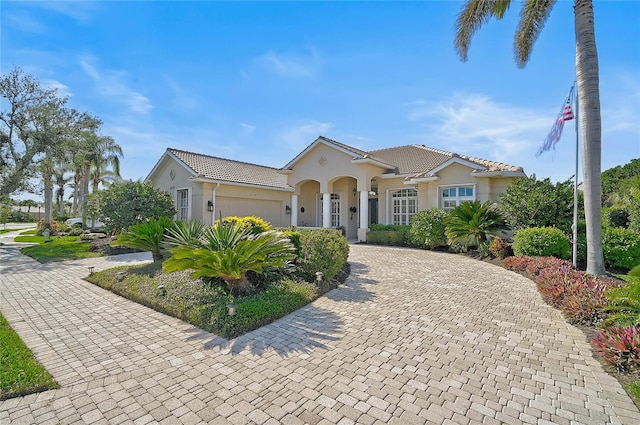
<point>472,222</point>
<point>184,233</point>
<point>229,252</point>
<point>146,236</point>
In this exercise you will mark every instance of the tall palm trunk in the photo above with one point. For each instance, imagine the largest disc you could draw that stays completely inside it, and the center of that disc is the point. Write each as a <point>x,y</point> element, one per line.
<point>47,175</point>
<point>84,191</point>
<point>587,77</point>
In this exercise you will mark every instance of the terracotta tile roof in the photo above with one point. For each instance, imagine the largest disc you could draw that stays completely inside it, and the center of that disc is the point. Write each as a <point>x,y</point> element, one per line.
<point>411,159</point>
<point>420,159</point>
<point>215,168</point>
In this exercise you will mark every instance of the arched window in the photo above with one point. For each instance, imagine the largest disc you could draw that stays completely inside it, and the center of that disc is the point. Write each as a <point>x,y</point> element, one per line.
<point>404,204</point>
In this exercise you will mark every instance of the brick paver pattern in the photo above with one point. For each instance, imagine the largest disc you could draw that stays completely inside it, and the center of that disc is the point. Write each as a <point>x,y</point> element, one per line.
<point>412,337</point>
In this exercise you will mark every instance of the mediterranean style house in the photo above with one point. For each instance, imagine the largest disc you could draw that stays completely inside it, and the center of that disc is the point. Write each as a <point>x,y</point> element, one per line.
<point>329,184</point>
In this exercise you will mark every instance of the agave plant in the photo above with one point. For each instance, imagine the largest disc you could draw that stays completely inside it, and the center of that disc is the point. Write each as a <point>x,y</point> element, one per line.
<point>146,236</point>
<point>229,252</point>
<point>472,222</point>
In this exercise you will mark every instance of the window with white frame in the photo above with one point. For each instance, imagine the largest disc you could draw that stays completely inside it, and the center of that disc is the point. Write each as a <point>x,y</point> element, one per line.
<point>454,195</point>
<point>182,204</point>
<point>404,205</point>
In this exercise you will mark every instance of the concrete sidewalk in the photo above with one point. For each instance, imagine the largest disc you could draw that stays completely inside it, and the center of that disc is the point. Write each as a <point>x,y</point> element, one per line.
<point>413,337</point>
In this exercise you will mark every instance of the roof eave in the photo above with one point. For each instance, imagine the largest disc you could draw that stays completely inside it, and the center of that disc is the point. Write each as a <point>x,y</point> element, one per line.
<point>497,174</point>
<point>371,161</point>
<point>396,176</point>
<point>424,179</point>
<point>202,179</point>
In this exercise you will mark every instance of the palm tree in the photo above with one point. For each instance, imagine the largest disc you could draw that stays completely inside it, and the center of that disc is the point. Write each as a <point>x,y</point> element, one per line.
<point>106,153</point>
<point>60,180</point>
<point>533,15</point>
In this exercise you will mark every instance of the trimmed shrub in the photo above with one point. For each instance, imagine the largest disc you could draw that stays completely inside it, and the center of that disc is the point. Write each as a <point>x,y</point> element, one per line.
<point>499,248</point>
<point>389,234</point>
<point>428,228</point>
<point>541,242</point>
<point>254,224</point>
<point>620,347</point>
<point>322,250</point>
<point>387,237</point>
<point>621,247</point>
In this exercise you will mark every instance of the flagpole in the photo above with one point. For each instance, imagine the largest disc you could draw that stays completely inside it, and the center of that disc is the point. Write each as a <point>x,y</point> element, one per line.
<point>575,185</point>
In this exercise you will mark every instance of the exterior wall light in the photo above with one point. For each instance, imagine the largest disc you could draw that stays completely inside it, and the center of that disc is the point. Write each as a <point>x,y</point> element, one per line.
<point>287,209</point>
<point>210,206</point>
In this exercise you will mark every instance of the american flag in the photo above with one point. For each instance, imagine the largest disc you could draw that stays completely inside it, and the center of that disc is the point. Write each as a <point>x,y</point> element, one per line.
<point>566,114</point>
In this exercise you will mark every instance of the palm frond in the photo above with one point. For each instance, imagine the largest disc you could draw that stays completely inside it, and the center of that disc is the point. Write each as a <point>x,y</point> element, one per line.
<point>533,15</point>
<point>474,14</point>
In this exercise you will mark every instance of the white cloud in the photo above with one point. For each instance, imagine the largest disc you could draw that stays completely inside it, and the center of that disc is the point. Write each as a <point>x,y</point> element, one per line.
<point>477,125</point>
<point>112,84</point>
<point>63,89</point>
<point>247,129</point>
<point>300,135</point>
<point>294,66</point>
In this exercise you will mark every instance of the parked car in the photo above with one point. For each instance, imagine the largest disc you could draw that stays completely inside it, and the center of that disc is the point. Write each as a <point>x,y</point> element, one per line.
<point>92,223</point>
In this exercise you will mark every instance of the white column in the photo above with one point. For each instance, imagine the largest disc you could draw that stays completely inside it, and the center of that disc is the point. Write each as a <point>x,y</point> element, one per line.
<point>326,210</point>
<point>364,216</point>
<point>294,210</point>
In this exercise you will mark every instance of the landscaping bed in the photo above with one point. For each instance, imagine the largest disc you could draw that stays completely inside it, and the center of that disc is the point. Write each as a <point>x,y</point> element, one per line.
<point>203,303</point>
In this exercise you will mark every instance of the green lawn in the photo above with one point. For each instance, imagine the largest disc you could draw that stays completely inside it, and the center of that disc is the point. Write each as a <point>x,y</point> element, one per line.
<point>59,249</point>
<point>20,372</point>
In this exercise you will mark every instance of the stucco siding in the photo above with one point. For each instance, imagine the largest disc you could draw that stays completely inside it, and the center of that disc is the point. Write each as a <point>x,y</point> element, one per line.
<point>246,201</point>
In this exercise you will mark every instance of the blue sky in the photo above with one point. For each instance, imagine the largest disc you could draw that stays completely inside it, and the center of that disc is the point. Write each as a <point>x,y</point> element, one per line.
<point>258,82</point>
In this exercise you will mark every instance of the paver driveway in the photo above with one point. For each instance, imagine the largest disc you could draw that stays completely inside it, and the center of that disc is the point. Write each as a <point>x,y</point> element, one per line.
<point>413,337</point>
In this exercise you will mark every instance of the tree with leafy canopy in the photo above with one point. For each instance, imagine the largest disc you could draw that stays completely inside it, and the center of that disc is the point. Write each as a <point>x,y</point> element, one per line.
<point>533,15</point>
<point>21,143</point>
<point>124,204</point>
<point>529,202</point>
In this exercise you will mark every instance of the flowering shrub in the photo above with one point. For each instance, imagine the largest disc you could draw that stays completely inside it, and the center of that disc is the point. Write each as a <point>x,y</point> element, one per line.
<point>53,227</point>
<point>619,347</point>
<point>254,224</point>
<point>499,248</point>
<point>580,296</point>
